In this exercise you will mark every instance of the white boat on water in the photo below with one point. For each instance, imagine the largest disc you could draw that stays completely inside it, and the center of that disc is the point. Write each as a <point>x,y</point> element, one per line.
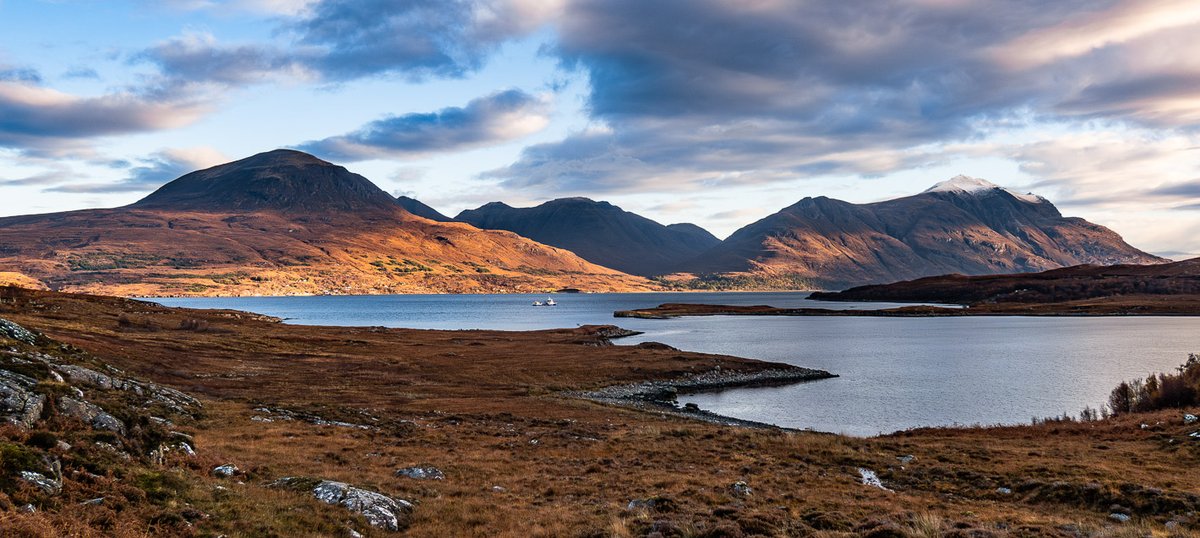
<point>549,302</point>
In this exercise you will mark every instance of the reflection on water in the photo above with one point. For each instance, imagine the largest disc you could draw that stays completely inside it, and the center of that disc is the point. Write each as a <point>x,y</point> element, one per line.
<point>895,373</point>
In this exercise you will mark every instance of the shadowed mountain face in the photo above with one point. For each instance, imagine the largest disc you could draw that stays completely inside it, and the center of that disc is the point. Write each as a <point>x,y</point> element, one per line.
<point>414,206</point>
<point>1077,283</point>
<point>963,225</point>
<point>599,232</point>
<point>282,223</point>
<point>281,180</point>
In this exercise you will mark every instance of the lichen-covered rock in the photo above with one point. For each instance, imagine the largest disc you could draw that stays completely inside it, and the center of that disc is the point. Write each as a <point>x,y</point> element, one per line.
<point>85,376</point>
<point>740,489</point>
<point>19,405</point>
<point>225,471</point>
<point>422,472</point>
<point>379,510</point>
<point>46,484</point>
<point>91,414</point>
<point>175,400</point>
<point>17,332</point>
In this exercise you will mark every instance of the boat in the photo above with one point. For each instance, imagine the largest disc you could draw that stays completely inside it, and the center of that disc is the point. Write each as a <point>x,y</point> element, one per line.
<point>538,303</point>
<point>550,302</point>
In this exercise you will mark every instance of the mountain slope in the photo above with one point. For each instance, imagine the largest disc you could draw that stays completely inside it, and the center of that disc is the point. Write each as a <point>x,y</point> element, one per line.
<point>414,206</point>
<point>1176,280</point>
<point>599,232</point>
<point>281,180</point>
<point>280,223</point>
<point>964,225</point>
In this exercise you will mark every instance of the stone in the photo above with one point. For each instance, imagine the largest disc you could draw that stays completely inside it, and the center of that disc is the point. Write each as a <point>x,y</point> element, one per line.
<point>741,489</point>
<point>225,471</point>
<point>1189,418</point>
<point>1119,517</point>
<point>657,503</point>
<point>421,472</point>
<point>16,332</point>
<point>93,502</point>
<point>19,405</point>
<point>85,376</point>
<point>46,484</point>
<point>379,510</point>
<point>1004,491</point>
<point>91,414</point>
<point>906,459</point>
<point>869,478</point>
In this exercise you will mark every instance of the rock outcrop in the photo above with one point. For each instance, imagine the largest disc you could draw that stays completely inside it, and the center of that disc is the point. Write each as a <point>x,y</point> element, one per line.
<point>379,510</point>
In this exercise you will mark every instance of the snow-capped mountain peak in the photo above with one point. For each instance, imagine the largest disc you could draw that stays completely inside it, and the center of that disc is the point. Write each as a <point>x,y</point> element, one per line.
<point>962,184</point>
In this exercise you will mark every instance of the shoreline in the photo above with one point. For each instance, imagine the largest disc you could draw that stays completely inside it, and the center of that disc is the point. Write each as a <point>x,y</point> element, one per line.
<point>661,396</point>
<point>677,310</point>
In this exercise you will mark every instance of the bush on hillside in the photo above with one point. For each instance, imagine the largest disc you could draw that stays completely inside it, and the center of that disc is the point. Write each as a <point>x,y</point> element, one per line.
<point>1164,391</point>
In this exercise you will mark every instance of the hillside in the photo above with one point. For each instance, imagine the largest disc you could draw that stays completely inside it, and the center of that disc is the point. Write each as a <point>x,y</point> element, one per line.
<point>280,223</point>
<point>414,206</point>
<point>1178,282</point>
<point>599,232</point>
<point>964,225</point>
<point>483,433</point>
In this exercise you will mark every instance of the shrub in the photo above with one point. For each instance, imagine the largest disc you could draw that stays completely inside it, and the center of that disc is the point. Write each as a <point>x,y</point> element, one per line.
<point>1164,391</point>
<point>192,324</point>
<point>43,440</point>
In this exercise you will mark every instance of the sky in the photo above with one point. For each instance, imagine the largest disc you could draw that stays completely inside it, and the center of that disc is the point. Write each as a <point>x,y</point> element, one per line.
<point>717,112</point>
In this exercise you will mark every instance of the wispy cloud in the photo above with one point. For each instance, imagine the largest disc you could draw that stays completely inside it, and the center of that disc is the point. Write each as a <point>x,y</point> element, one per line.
<point>341,40</point>
<point>35,119</point>
<point>151,172</point>
<point>492,119</point>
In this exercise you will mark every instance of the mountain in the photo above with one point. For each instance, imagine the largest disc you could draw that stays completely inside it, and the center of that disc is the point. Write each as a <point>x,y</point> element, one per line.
<point>599,232</point>
<point>964,225</point>
<point>281,223</point>
<point>1177,281</point>
<point>414,206</point>
<point>283,180</point>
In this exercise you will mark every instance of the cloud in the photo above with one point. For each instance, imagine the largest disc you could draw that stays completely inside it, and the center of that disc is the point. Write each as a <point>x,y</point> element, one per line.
<point>492,119</point>
<point>696,93</point>
<point>82,72</point>
<point>20,74</point>
<point>40,120</point>
<point>1189,189</point>
<point>45,178</point>
<point>271,7</point>
<point>341,40</point>
<point>152,172</point>
<point>196,57</point>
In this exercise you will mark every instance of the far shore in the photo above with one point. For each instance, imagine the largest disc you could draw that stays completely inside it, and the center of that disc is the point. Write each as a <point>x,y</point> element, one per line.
<point>1099,307</point>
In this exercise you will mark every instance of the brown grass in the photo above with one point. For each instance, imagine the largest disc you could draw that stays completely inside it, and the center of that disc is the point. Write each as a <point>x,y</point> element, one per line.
<point>483,407</point>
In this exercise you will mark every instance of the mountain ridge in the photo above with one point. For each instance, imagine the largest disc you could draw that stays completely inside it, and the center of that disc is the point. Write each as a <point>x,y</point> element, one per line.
<point>599,232</point>
<point>282,223</point>
<point>964,225</point>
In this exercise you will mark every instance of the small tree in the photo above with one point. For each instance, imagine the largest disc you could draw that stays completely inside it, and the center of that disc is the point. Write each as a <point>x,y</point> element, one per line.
<point>1121,400</point>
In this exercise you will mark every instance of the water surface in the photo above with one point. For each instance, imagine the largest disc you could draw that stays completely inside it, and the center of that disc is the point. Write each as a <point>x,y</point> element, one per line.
<point>896,373</point>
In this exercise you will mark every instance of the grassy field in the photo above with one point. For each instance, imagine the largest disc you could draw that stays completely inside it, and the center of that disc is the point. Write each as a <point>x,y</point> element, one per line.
<point>521,459</point>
